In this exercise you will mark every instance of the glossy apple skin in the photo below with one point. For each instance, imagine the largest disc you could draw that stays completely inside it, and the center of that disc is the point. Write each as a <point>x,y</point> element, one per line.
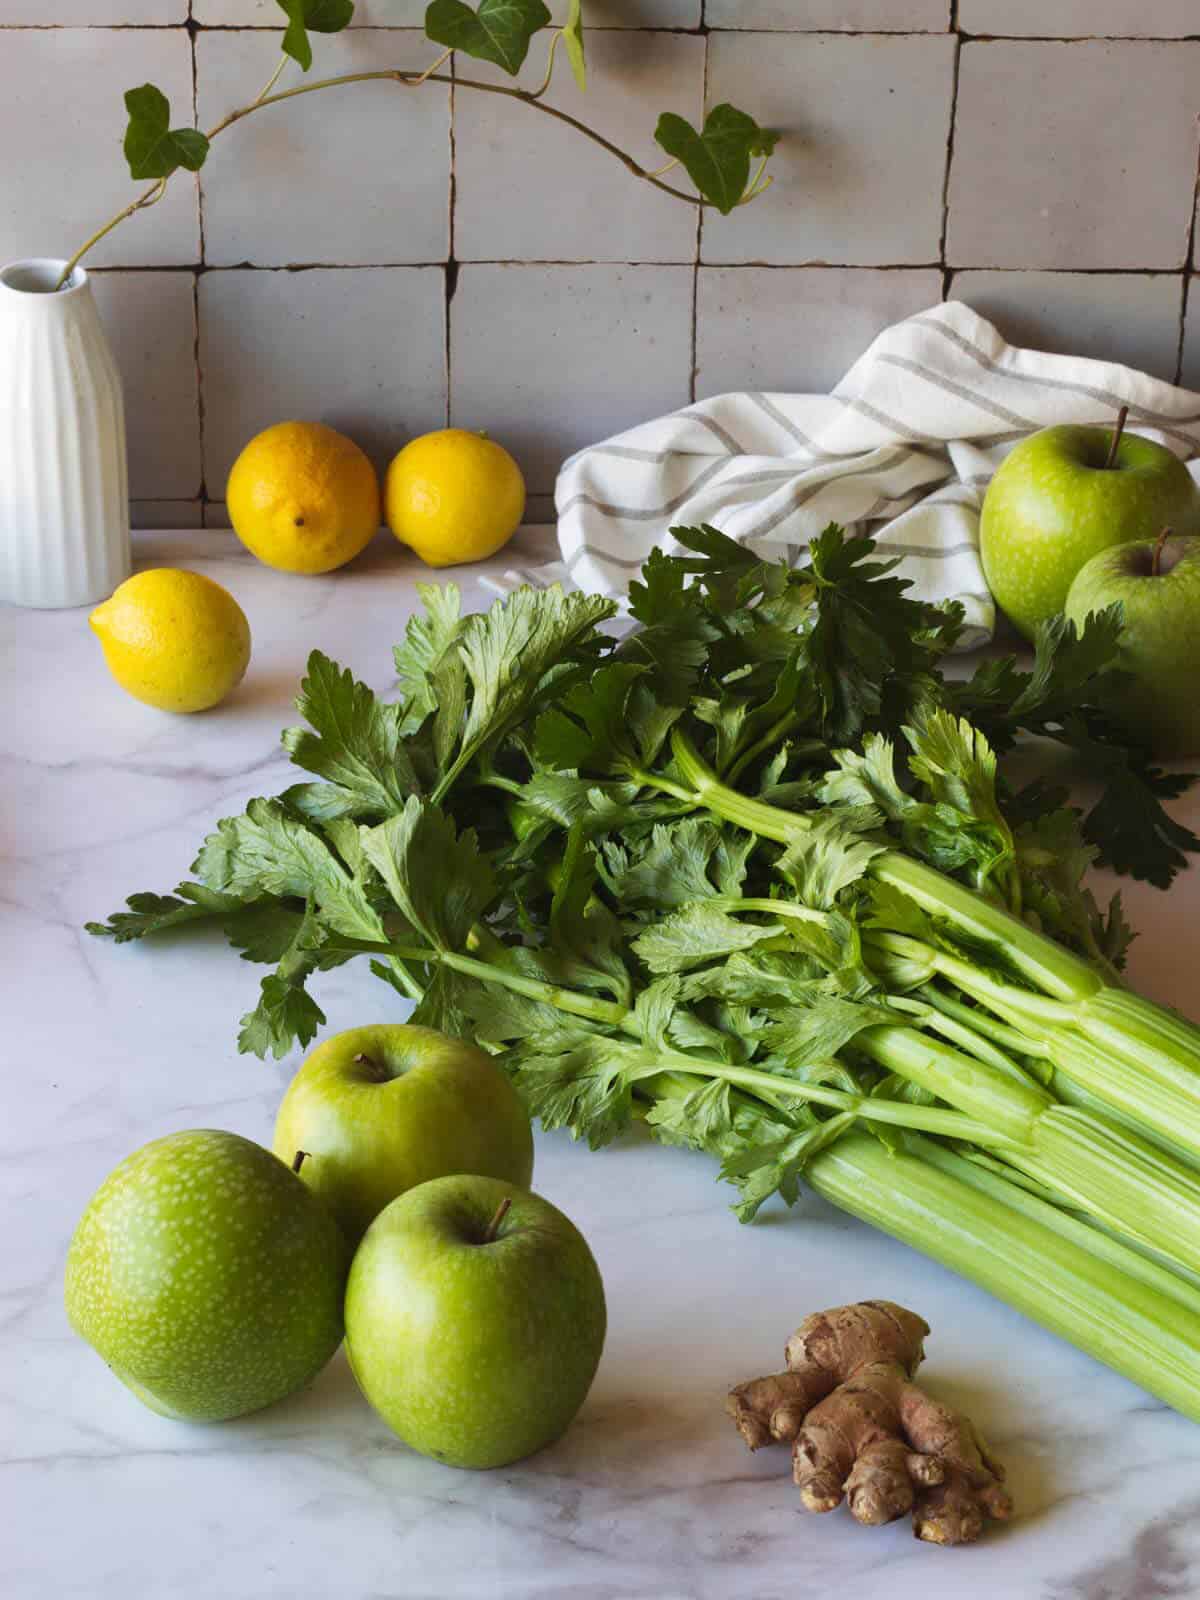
<point>381,1109</point>
<point>1160,640</point>
<point>1052,506</point>
<point>207,1277</point>
<point>475,1353</point>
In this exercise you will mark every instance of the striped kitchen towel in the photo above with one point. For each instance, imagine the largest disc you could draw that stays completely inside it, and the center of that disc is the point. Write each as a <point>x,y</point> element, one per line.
<point>903,448</point>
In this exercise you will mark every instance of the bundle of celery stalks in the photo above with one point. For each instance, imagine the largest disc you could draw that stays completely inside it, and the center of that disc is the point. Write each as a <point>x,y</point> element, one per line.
<point>750,872</point>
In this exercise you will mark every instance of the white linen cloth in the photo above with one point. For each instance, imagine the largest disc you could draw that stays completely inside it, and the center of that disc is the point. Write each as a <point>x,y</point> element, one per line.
<point>903,448</point>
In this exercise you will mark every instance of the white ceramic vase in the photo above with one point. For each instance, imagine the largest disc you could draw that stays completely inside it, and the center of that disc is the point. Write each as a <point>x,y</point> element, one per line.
<point>64,495</point>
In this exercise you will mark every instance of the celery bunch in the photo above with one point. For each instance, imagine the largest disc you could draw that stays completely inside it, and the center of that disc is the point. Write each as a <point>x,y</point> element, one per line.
<point>751,876</point>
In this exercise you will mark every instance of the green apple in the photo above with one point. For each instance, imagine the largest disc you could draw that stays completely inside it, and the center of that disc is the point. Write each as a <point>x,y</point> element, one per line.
<point>207,1276</point>
<point>1158,585</point>
<point>1054,503</point>
<point>474,1320</point>
<point>378,1110</point>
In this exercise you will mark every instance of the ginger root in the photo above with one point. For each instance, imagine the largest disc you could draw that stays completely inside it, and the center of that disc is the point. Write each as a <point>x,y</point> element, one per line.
<point>862,1430</point>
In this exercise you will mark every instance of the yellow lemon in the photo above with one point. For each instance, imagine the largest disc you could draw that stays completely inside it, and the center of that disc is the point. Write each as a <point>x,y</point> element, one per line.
<point>173,639</point>
<point>303,498</point>
<point>454,496</point>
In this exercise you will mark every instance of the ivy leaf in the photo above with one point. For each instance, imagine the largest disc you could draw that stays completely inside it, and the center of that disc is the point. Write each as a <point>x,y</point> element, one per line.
<point>153,148</point>
<point>717,158</point>
<point>498,30</point>
<point>311,16</point>
<point>572,37</point>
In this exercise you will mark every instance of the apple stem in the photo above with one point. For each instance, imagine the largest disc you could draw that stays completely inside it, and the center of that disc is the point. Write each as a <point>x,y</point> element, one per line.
<point>493,1227</point>
<point>299,1159</point>
<point>1116,439</point>
<point>1156,559</point>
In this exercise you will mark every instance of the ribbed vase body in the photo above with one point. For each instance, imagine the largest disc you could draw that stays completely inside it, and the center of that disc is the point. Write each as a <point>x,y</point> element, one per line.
<point>64,492</point>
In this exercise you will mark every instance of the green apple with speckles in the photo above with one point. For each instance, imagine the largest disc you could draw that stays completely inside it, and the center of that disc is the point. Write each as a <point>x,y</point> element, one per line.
<point>474,1320</point>
<point>1157,583</point>
<point>207,1276</point>
<point>1054,503</point>
<point>378,1110</point>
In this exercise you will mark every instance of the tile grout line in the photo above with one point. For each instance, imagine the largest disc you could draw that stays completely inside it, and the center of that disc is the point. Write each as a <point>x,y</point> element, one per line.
<point>1189,262</point>
<point>198,368</point>
<point>835,33</point>
<point>935,263</point>
<point>956,70</point>
<point>450,267</point>
<point>695,367</point>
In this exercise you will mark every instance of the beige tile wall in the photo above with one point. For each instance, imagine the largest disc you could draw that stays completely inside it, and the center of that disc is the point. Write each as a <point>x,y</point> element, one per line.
<point>391,260</point>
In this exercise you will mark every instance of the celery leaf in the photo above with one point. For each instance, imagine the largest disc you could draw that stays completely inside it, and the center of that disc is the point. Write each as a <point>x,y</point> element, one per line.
<point>354,741</point>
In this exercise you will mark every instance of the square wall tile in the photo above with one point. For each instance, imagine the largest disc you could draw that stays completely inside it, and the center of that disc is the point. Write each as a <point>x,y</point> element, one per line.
<point>1081,19</point>
<point>549,358</point>
<point>527,189</point>
<point>633,14</point>
<point>266,14</point>
<point>1122,317</point>
<point>858,171</point>
<point>360,176</point>
<point>411,13</point>
<point>92,13</point>
<point>62,109</point>
<point>1074,155</point>
<point>809,16</point>
<point>360,349</point>
<point>1190,374</point>
<point>166,514</point>
<point>389,14</point>
<point>150,318</point>
<point>797,329</point>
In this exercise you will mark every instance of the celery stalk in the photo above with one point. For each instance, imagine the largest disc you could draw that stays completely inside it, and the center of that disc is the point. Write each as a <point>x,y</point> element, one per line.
<point>1098,1241</point>
<point>1115,1314</point>
<point>1058,972</point>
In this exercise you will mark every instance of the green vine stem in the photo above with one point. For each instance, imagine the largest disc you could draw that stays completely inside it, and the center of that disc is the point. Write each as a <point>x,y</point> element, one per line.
<point>408,80</point>
<point>151,197</point>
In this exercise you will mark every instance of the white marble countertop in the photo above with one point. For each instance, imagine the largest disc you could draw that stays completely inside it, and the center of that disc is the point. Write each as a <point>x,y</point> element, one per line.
<point>650,1494</point>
